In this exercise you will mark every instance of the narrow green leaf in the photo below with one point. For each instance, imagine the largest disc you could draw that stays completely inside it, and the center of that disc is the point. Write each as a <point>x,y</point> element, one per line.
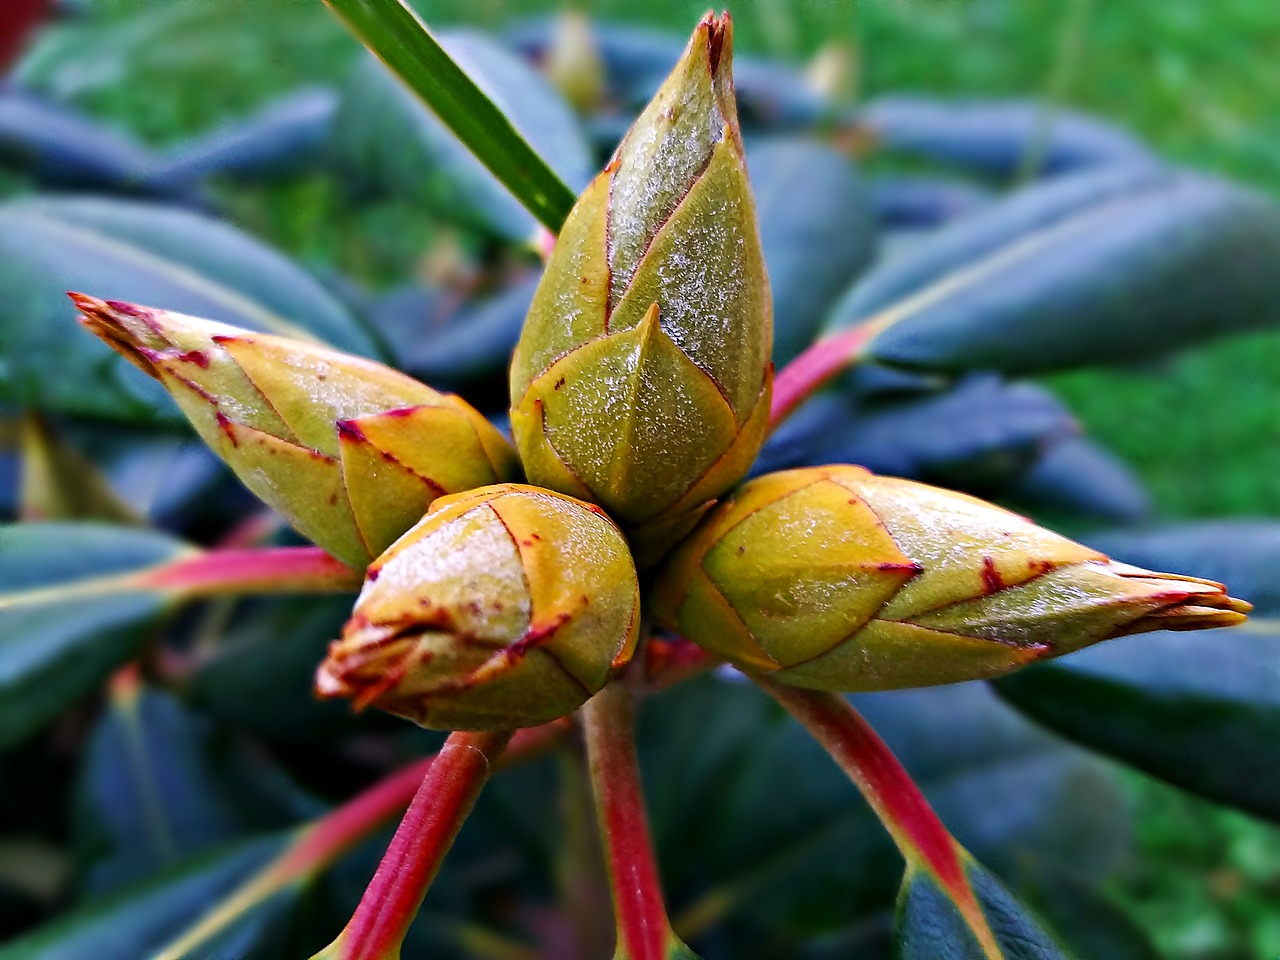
<point>67,616</point>
<point>387,140</point>
<point>394,33</point>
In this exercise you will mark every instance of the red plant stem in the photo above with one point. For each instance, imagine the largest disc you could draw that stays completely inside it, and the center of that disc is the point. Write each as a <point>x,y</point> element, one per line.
<point>435,815</point>
<point>339,831</point>
<point>17,19</point>
<point>890,791</point>
<point>644,932</point>
<point>815,368</point>
<point>265,570</point>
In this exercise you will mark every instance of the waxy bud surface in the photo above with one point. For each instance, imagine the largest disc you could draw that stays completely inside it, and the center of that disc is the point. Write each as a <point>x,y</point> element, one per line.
<point>642,378</point>
<point>350,452</point>
<point>837,579</point>
<point>506,606</point>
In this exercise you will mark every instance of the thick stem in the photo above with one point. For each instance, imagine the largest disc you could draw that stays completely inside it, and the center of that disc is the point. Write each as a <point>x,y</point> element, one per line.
<point>892,794</point>
<point>644,932</point>
<point>436,814</point>
<point>249,571</point>
<point>815,368</point>
<point>323,842</point>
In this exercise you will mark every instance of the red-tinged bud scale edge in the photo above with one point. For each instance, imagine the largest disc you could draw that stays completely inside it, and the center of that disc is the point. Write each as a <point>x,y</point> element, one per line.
<point>350,452</point>
<point>508,606</point>
<point>642,377</point>
<point>836,579</point>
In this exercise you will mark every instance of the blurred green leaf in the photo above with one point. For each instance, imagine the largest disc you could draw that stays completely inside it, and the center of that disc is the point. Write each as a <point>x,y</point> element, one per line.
<point>993,137</point>
<point>285,137</point>
<point>470,352</point>
<point>1081,480</point>
<point>1093,268</point>
<point>1090,925</point>
<point>921,201</point>
<point>1200,710</point>
<point>66,621</point>
<point>159,783</point>
<point>260,675</point>
<point>637,59</point>
<point>461,104</point>
<point>819,862</point>
<point>62,149</point>
<point>816,231</point>
<point>930,927</point>
<point>138,921</point>
<point>146,254</point>
<point>975,436</point>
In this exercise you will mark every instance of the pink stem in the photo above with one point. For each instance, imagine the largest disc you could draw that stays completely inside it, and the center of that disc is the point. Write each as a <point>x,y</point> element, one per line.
<point>334,834</point>
<point>814,369</point>
<point>265,570</point>
<point>17,19</point>
<point>442,803</point>
<point>644,932</point>
<point>890,791</point>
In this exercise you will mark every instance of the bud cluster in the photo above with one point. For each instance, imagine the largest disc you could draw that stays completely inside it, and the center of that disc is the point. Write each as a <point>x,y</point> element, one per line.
<point>640,392</point>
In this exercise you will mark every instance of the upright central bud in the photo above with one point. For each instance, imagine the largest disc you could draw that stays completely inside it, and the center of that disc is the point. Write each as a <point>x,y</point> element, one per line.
<point>642,378</point>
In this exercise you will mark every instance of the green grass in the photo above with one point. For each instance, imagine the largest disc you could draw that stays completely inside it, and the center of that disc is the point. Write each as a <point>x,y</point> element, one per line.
<point>1196,79</point>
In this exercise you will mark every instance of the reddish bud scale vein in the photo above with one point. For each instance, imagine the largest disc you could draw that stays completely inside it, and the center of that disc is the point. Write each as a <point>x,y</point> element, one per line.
<point>644,933</point>
<point>892,794</point>
<point>268,570</point>
<point>441,804</point>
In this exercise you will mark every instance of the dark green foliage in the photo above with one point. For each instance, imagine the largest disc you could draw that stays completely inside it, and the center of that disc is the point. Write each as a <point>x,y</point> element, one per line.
<point>61,633</point>
<point>187,786</point>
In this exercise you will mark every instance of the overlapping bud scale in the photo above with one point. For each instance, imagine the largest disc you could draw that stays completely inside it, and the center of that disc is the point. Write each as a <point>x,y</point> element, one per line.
<point>506,606</point>
<point>642,377</point>
<point>350,452</point>
<point>833,578</point>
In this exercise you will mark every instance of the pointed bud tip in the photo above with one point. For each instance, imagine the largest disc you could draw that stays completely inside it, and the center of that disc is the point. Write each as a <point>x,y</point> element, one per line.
<point>719,36</point>
<point>108,320</point>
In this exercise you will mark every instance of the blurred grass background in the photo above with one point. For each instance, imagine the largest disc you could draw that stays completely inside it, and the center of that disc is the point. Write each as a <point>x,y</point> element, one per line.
<point>1197,80</point>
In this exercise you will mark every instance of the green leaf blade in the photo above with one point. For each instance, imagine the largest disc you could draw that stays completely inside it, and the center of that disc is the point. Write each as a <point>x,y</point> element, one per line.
<point>1198,710</point>
<point>141,253</point>
<point>929,926</point>
<point>66,621</point>
<point>395,34</point>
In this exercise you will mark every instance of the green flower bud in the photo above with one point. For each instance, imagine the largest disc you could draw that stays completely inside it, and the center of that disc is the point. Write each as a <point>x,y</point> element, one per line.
<point>642,377</point>
<point>507,606</point>
<point>833,578</point>
<point>350,452</point>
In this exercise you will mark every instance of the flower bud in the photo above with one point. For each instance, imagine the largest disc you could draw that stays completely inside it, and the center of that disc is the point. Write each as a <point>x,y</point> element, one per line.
<point>642,377</point>
<point>834,578</point>
<point>507,606</point>
<point>350,452</point>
